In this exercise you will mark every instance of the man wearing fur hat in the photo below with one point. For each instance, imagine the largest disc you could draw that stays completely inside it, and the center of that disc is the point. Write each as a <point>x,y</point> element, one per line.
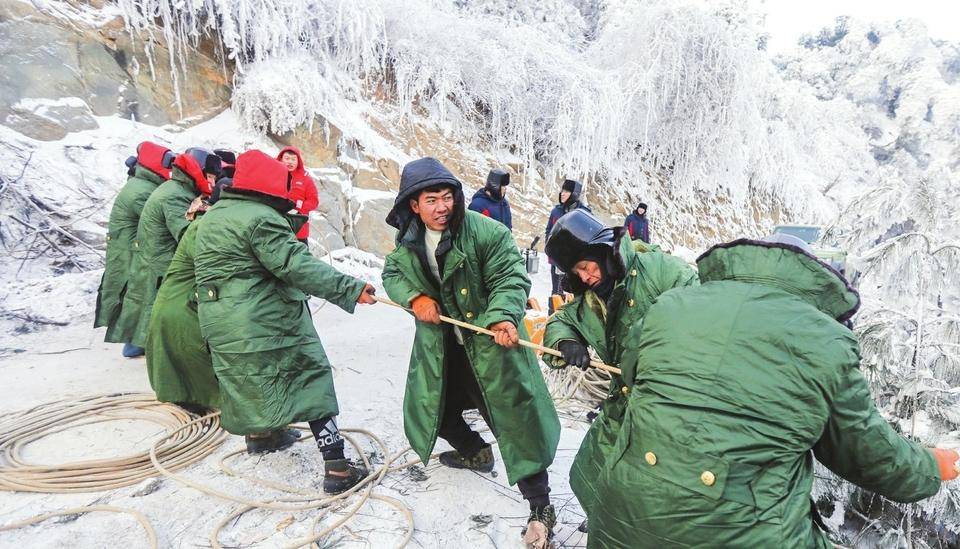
<point>458,263</point>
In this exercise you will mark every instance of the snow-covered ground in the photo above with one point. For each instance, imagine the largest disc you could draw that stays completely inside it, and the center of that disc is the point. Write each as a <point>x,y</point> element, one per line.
<point>369,351</point>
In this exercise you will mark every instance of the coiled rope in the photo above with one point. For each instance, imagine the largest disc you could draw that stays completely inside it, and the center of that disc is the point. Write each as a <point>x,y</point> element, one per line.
<point>195,440</point>
<point>188,440</point>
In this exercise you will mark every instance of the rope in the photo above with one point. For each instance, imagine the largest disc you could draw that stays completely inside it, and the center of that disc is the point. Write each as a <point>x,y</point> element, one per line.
<point>197,439</point>
<point>151,534</point>
<point>187,440</point>
<point>529,344</point>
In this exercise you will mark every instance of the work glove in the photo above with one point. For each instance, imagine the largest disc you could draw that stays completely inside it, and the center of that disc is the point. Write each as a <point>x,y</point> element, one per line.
<point>574,353</point>
<point>946,462</point>
<point>505,333</point>
<point>426,309</point>
<point>366,296</point>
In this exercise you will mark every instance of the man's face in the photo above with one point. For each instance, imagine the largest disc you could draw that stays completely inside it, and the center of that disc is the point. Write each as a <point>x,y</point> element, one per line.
<point>588,271</point>
<point>290,160</point>
<point>564,196</point>
<point>211,178</point>
<point>503,191</point>
<point>641,211</point>
<point>434,208</point>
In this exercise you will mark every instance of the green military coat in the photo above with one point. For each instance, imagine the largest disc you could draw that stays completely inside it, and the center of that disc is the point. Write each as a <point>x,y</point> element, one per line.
<point>121,238</point>
<point>178,363</point>
<point>736,387</point>
<point>162,223</point>
<point>483,282</point>
<point>587,319</point>
<point>253,278</point>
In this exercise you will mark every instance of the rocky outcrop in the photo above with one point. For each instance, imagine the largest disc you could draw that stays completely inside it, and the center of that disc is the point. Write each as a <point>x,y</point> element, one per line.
<point>45,56</point>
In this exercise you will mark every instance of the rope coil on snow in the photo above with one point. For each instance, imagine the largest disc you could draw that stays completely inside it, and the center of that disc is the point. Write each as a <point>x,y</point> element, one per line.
<point>20,429</point>
<point>195,440</point>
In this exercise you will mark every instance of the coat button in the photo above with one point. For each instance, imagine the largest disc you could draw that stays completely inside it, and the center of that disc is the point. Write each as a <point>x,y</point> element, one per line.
<point>651,458</point>
<point>625,390</point>
<point>210,293</point>
<point>108,238</point>
<point>630,303</point>
<point>136,244</point>
<point>633,272</point>
<point>463,291</point>
<point>196,295</point>
<point>708,478</point>
<point>469,314</point>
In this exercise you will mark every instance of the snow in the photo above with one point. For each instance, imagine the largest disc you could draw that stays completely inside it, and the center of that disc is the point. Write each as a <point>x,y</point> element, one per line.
<point>673,101</point>
<point>369,351</point>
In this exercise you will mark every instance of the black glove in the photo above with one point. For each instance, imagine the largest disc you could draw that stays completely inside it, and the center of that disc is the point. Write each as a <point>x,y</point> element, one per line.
<point>574,353</point>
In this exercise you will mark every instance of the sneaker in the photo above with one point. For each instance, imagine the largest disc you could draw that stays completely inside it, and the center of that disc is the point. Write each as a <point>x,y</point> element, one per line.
<point>539,531</point>
<point>482,461</point>
<point>271,441</point>
<point>132,351</point>
<point>350,474</point>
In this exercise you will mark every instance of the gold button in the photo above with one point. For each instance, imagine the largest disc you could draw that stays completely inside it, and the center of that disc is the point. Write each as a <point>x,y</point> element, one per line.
<point>630,302</point>
<point>136,244</point>
<point>108,237</point>
<point>463,291</point>
<point>210,293</point>
<point>625,390</point>
<point>633,272</point>
<point>469,314</point>
<point>651,458</point>
<point>708,478</point>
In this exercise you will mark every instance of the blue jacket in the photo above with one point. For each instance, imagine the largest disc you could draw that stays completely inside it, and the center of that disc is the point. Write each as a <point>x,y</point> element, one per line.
<point>558,212</point>
<point>498,210</point>
<point>638,226</point>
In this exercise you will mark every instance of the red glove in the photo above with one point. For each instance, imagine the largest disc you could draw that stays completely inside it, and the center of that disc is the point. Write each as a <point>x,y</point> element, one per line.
<point>946,462</point>
<point>505,333</point>
<point>426,309</point>
<point>366,295</point>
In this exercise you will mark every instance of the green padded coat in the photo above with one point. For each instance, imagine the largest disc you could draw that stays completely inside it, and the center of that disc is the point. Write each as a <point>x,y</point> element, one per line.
<point>162,223</point>
<point>649,273</point>
<point>178,363</point>
<point>736,386</point>
<point>121,241</point>
<point>484,281</point>
<point>253,280</point>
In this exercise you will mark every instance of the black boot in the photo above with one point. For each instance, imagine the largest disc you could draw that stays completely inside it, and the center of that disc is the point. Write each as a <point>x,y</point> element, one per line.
<point>338,483</point>
<point>539,531</point>
<point>482,461</point>
<point>271,441</point>
<point>195,409</point>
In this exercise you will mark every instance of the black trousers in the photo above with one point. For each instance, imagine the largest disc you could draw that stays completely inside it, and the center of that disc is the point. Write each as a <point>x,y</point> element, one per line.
<point>556,283</point>
<point>462,392</point>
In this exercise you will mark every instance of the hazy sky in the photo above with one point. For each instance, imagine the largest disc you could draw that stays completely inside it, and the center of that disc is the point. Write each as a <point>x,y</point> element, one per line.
<point>788,19</point>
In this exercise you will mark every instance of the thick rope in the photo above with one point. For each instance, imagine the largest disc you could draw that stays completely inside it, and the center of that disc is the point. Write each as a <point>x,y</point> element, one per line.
<point>188,439</point>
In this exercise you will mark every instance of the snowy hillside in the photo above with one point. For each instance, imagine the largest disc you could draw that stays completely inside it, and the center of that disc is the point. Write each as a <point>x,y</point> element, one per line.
<point>674,102</point>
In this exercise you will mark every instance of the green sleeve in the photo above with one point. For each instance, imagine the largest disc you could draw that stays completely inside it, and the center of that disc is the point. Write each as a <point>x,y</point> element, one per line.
<point>398,287</point>
<point>860,446</point>
<point>175,215</point>
<point>279,252</point>
<point>504,277</point>
<point>675,273</point>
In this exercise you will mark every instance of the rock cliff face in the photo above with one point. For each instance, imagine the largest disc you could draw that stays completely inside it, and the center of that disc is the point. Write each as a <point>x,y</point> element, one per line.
<point>68,62</point>
<point>50,55</point>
